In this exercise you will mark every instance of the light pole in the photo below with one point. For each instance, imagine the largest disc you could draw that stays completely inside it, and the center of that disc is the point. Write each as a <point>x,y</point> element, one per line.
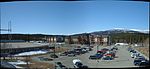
<point>27,61</point>
<point>54,48</point>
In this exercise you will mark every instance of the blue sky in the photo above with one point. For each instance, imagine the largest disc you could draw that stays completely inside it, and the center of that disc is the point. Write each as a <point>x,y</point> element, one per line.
<point>62,17</point>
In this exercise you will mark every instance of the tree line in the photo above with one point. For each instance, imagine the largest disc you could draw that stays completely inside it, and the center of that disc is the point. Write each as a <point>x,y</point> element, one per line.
<point>82,39</point>
<point>128,37</point>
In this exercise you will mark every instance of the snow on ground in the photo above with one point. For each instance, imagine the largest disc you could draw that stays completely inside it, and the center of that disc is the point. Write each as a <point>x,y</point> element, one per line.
<point>31,53</point>
<point>18,62</point>
<point>18,66</point>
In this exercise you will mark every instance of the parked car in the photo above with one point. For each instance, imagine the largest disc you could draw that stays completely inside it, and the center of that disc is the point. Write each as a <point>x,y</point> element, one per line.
<point>114,48</point>
<point>140,57</point>
<point>104,50</point>
<point>77,50</point>
<point>71,54</point>
<point>140,62</point>
<point>87,48</point>
<point>99,55</point>
<point>59,65</point>
<point>112,54</point>
<point>53,56</point>
<point>134,55</point>
<point>137,45</point>
<point>144,63</point>
<point>77,53</point>
<point>91,46</point>
<point>78,64</point>
<point>84,50</point>
<point>132,51</point>
<point>107,58</point>
<point>71,51</point>
<point>64,54</point>
<point>92,57</point>
<point>100,52</point>
<point>90,49</point>
<point>96,56</point>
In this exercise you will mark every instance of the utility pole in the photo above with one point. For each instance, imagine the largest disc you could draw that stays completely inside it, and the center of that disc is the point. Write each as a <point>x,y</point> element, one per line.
<point>88,39</point>
<point>98,40</point>
<point>9,37</point>
<point>54,53</point>
<point>27,61</point>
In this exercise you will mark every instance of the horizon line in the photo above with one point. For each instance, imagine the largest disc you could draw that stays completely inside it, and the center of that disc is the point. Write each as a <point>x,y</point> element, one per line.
<point>76,33</point>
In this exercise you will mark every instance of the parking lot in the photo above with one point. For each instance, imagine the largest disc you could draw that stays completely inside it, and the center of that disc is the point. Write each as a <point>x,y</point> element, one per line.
<point>123,59</point>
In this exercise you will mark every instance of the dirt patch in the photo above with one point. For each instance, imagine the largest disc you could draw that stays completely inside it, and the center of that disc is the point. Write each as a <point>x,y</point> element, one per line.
<point>36,65</point>
<point>61,49</point>
<point>144,50</point>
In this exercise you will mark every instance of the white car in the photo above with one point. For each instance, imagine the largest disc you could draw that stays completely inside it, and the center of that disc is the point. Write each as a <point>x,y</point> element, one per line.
<point>77,63</point>
<point>134,55</point>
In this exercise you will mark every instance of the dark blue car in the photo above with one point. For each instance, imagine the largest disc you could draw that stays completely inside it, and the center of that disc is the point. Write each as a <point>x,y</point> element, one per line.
<point>137,62</point>
<point>144,63</point>
<point>141,62</point>
<point>99,55</point>
<point>96,56</point>
<point>132,51</point>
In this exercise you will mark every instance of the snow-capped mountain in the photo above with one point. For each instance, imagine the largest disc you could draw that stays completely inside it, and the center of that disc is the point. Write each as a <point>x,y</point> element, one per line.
<point>130,30</point>
<point>120,30</point>
<point>142,31</point>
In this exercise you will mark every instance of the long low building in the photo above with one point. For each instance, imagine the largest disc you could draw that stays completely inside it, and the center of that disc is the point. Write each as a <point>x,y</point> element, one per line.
<point>13,48</point>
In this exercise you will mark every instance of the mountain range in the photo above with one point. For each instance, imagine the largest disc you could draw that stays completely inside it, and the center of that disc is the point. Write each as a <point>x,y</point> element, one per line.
<point>119,30</point>
<point>104,32</point>
<point>115,31</point>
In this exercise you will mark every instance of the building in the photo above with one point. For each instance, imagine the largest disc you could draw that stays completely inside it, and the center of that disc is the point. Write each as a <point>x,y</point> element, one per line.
<point>100,39</point>
<point>86,39</point>
<point>51,39</point>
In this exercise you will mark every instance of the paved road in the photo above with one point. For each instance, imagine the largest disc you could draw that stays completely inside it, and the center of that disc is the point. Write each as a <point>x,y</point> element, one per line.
<point>124,59</point>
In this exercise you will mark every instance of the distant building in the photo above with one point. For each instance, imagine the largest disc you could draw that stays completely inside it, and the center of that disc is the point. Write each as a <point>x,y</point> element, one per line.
<point>80,39</point>
<point>83,39</point>
<point>60,39</point>
<point>101,39</point>
<point>67,40</point>
<point>75,39</point>
<point>51,39</point>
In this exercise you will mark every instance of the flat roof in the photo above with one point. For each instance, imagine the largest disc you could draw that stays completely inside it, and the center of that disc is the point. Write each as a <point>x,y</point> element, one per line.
<point>22,45</point>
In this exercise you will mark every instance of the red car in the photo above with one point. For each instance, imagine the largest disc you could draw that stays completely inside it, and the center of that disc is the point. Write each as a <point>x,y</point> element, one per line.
<point>110,54</point>
<point>101,52</point>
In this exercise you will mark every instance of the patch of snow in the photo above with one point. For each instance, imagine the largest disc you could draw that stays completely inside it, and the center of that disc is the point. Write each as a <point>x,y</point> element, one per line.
<point>31,53</point>
<point>18,66</point>
<point>18,62</point>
